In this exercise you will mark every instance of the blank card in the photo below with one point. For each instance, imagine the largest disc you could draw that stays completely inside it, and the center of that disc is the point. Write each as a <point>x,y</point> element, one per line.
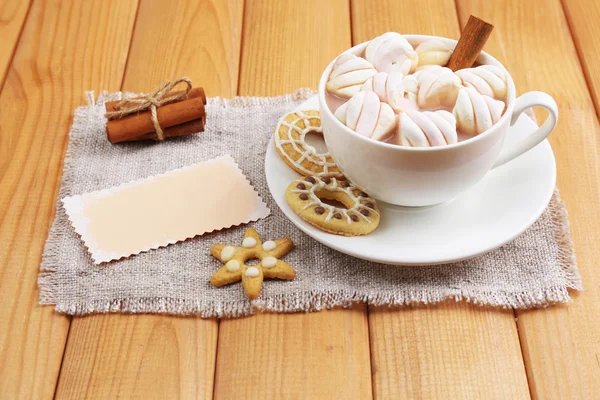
<point>164,209</point>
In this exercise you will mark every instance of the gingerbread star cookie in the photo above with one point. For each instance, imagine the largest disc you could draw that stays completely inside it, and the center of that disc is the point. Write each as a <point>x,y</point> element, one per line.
<point>235,257</point>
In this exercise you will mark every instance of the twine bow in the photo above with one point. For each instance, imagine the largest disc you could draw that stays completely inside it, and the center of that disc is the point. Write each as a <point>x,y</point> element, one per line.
<point>151,101</point>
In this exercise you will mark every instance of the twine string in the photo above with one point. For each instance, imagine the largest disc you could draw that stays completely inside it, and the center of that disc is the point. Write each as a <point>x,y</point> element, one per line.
<point>151,102</point>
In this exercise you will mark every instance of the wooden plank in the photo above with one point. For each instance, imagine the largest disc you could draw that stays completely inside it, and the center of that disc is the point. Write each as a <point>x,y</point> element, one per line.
<point>197,39</point>
<point>583,17</point>
<point>322,355</point>
<point>153,355</point>
<point>437,17</point>
<point>142,356</point>
<point>12,18</point>
<point>286,45</point>
<point>49,73</point>
<point>446,351</point>
<point>451,350</point>
<point>561,345</point>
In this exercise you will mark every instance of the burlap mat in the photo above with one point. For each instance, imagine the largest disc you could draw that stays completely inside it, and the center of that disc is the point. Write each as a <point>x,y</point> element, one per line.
<point>534,270</point>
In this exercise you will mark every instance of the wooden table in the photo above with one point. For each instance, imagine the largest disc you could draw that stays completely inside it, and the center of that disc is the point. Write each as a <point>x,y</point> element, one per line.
<point>51,51</point>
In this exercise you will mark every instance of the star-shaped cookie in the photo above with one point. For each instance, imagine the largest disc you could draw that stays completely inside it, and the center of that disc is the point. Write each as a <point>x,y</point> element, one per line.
<point>235,257</point>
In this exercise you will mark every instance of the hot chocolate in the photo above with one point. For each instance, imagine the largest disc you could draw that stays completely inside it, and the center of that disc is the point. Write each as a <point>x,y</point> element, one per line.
<point>401,93</point>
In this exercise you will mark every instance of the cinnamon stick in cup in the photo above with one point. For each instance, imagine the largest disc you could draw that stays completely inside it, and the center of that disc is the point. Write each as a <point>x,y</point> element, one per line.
<point>139,126</point>
<point>470,44</point>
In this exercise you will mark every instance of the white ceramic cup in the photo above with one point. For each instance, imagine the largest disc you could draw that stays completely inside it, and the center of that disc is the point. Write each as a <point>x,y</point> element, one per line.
<point>410,176</point>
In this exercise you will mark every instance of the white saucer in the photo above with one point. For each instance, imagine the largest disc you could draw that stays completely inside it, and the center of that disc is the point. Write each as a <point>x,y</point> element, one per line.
<point>494,212</point>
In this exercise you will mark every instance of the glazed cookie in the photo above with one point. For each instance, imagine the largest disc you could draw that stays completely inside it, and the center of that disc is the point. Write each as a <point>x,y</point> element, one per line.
<point>290,141</point>
<point>359,217</point>
<point>235,257</point>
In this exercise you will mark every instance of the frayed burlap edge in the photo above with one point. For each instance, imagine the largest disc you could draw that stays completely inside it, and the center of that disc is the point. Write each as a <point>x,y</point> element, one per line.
<point>566,248</point>
<point>293,302</point>
<point>48,282</point>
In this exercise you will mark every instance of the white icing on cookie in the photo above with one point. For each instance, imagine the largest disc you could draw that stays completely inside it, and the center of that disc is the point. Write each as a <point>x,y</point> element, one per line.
<point>232,265</point>
<point>335,186</point>
<point>227,253</point>
<point>249,242</point>
<point>252,272</point>
<point>269,262</point>
<point>269,245</point>
<point>308,152</point>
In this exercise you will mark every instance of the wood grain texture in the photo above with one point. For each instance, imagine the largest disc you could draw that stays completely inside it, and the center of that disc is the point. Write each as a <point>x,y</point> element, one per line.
<point>197,39</point>
<point>286,45</point>
<point>583,18</point>
<point>473,353</point>
<point>561,345</point>
<point>154,356</point>
<point>143,356</point>
<point>49,73</point>
<point>436,17</point>
<point>446,351</point>
<point>12,18</point>
<point>322,355</point>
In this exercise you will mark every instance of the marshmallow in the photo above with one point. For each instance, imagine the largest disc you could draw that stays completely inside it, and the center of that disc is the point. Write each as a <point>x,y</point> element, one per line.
<point>391,52</point>
<point>486,79</point>
<point>427,128</point>
<point>367,115</point>
<point>438,87</point>
<point>399,91</point>
<point>475,112</point>
<point>433,52</point>
<point>348,74</point>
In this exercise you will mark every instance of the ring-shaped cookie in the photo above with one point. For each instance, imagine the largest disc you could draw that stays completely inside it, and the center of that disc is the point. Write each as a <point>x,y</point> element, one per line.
<point>360,215</point>
<point>290,141</point>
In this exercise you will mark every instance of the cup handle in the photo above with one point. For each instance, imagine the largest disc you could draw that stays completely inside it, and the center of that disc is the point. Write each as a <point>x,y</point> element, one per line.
<point>525,101</point>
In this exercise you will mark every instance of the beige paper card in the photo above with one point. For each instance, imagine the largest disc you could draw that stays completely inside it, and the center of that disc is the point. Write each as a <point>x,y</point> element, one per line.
<point>164,209</point>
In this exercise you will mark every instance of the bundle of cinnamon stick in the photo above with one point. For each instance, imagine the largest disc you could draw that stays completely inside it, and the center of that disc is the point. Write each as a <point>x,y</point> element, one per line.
<point>185,116</point>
